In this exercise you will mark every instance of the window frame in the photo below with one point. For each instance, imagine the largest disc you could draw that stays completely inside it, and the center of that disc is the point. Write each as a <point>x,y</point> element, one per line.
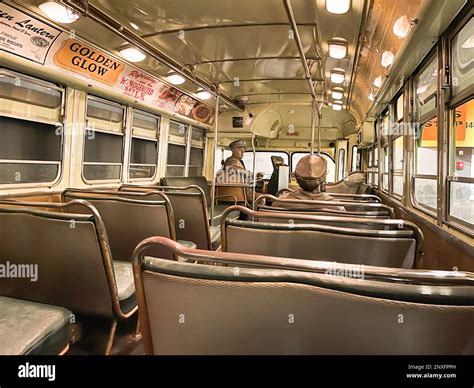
<point>195,146</point>
<point>451,220</point>
<point>156,140</point>
<point>58,124</point>
<point>122,134</point>
<point>354,168</point>
<point>421,120</point>
<point>397,121</point>
<point>272,151</point>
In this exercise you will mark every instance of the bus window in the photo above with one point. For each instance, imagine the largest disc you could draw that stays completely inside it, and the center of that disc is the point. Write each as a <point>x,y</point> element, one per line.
<point>462,61</point>
<point>176,163</point>
<point>331,174</point>
<point>196,157</point>
<point>144,147</point>
<point>31,146</point>
<point>425,88</point>
<point>263,161</point>
<point>461,203</point>
<point>385,167</point>
<point>221,155</point>
<point>355,158</point>
<point>103,144</point>
<point>426,164</point>
<point>397,182</point>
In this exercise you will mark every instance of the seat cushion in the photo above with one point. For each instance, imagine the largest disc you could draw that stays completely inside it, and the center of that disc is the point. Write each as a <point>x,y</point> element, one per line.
<point>187,244</point>
<point>218,211</point>
<point>215,237</point>
<point>125,285</point>
<point>29,328</point>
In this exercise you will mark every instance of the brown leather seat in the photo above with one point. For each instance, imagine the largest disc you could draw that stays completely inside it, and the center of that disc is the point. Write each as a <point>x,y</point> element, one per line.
<point>71,249</point>
<point>255,305</point>
<point>128,217</point>
<point>336,239</point>
<point>190,214</point>
<point>350,208</point>
<point>354,183</point>
<point>201,182</point>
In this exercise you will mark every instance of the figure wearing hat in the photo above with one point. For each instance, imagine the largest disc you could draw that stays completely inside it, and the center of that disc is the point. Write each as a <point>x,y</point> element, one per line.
<point>235,160</point>
<point>310,173</point>
<point>234,170</point>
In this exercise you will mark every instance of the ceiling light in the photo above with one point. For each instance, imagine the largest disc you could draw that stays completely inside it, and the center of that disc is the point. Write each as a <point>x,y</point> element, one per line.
<point>469,43</point>
<point>337,93</point>
<point>401,26</point>
<point>337,49</point>
<point>203,94</point>
<point>338,6</point>
<point>337,76</point>
<point>132,54</point>
<point>59,12</point>
<point>337,106</point>
<point>378,81</point>
<point>371,96</point>
<point>134,26</point>
<point>175,78</point>
<point>387,58</point>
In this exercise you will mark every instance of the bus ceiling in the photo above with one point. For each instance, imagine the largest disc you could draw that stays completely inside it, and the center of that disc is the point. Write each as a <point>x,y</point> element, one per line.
<point>267,60</point>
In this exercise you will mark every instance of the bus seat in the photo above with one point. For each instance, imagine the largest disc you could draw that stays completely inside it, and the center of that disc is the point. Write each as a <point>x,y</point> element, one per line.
<point>201,182</point>
<point>397,248</point>
<point>350,208</point>
<point>190,214</point>
<point>73,257</point>
<point>233,304</point>
<point>272,187</point>
<point>354,183</point>
<point>128,217</point>
<point>28,328</point>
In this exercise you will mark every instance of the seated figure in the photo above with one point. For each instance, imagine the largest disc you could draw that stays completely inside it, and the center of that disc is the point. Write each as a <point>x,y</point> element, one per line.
<point>234,170</point>
<point>310,173</point>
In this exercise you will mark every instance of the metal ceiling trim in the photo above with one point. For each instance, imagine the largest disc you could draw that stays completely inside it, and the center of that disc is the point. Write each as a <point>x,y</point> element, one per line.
<point>294,27</point>
<point>355,60</point>
<point>218,26</point>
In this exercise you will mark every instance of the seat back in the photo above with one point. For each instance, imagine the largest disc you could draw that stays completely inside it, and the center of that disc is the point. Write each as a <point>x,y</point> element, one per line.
<point>342,208</point>
<point>354,183</point>
<point>336,239</point>
<point>71,252</point>
<point>232,309</point>
<point>128,217</point>
<point>190,212</point>
<point>199,181</point>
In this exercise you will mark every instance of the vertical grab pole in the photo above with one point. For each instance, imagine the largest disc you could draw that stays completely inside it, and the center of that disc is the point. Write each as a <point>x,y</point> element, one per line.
<point>313,125</point>
<point>320,120</point>
<point>254,171</point>
<point>213,184</point>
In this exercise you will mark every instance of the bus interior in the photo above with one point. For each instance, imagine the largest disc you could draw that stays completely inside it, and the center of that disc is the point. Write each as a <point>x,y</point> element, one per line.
<point>151,158</point>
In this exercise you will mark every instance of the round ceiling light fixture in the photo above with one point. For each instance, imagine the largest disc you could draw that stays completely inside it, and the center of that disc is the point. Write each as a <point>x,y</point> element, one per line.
<point>59,12</point>
<point>174,78</point>
<point>132,54</point>
<point>338,76</point>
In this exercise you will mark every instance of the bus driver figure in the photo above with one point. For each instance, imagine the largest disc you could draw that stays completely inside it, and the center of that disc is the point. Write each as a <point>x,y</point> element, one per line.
<point>234,170</point>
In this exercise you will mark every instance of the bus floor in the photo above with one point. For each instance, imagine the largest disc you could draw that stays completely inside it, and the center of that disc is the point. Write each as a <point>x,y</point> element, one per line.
<point>95,333</point>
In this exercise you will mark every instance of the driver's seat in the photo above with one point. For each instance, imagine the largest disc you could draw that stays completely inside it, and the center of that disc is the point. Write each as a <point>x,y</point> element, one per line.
<point>272,187</point>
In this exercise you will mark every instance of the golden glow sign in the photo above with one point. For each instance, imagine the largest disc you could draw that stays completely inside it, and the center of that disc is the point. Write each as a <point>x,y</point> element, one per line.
<point>81,58</point>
